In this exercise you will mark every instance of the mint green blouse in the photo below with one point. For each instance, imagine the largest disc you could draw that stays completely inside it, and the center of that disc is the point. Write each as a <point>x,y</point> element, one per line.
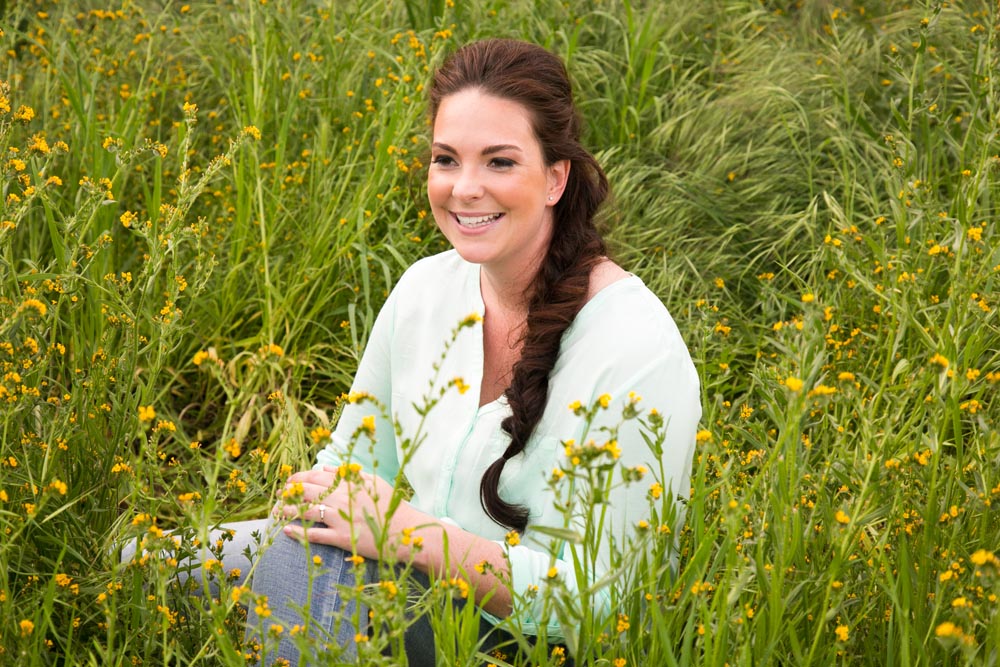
<point>623,340</point>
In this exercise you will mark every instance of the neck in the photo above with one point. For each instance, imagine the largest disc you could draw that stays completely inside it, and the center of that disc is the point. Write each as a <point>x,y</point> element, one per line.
<point>509,294</point>
<point>507,285</point>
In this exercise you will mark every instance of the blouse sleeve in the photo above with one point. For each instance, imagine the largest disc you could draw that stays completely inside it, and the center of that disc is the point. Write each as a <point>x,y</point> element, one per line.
<point>660,372</point>
<point>376,453</point>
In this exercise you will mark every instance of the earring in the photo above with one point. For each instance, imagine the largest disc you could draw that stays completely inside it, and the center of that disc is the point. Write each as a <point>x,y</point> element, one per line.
<point>550,197</point>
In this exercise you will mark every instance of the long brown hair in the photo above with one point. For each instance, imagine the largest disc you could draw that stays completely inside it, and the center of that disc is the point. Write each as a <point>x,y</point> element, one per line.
<point>531,76</point>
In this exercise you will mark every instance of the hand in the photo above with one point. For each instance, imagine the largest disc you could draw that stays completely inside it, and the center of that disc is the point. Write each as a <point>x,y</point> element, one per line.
<point>340,515</point>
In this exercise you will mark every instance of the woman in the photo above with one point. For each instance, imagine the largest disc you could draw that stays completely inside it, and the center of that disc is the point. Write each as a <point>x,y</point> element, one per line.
<point>515,193</point>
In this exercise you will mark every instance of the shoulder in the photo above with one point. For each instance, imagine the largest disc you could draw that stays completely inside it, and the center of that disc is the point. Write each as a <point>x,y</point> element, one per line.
<point>624,318</point>
<point>625,340</point>
<point>604,274</point>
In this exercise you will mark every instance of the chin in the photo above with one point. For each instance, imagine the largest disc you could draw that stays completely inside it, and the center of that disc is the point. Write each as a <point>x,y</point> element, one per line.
<point>472,255</point>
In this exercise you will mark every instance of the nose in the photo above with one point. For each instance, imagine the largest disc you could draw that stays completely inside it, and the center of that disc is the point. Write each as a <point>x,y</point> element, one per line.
<point>467,186</point>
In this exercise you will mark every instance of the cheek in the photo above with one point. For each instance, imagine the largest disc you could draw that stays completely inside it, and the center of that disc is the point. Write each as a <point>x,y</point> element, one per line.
<point>437,189</point>
<point>437,195</point>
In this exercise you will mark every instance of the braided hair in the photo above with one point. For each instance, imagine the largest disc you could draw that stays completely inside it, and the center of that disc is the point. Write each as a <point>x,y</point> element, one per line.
<point>537,79</point>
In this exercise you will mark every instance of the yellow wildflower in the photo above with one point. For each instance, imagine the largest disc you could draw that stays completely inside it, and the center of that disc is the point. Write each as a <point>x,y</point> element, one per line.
<point>368,424</point>
<point>949,630</point>
<point>623,623</point>
<point>982,556</point>
<point>319,434</point>
<point>36,305</point>
<point>233,448</point>
<point>24,113</point>
<point>940,360</point>
<point>58,486</point>
<point>470,319</point>
<point>37,144</point>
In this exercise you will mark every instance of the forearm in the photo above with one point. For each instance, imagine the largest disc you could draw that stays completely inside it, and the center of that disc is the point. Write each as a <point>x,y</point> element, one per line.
<point>445,550</point>
<point>339,515</point>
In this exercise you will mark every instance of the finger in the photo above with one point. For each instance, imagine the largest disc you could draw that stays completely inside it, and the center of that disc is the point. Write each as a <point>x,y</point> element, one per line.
<point>299,511</point>
<point>314,492</point>
<point>320,510</point>
<point>322,477</point>
<point>295,532</point>
<point>311,534</point>
<point>303,492</point>
<point>278,509</point>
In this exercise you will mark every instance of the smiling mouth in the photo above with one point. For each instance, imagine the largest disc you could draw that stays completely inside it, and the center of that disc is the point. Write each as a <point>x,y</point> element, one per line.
<point>474,221</point>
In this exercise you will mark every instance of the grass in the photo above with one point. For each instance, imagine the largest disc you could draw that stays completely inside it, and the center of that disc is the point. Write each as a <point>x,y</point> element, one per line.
<point>205,204</point>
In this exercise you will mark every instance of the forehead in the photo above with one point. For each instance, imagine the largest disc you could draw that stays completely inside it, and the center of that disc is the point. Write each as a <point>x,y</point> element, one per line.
<point>473,117</point>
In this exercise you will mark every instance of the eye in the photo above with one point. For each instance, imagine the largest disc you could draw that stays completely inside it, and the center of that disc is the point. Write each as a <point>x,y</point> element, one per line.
<point>443,160</point>
<point>501,163</point>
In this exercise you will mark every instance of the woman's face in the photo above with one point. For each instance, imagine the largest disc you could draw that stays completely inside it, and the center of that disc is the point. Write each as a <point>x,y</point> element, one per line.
<point>488,184</point>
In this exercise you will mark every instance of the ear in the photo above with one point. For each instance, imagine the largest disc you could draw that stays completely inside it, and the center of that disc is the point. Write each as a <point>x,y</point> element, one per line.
<point>558,176</point>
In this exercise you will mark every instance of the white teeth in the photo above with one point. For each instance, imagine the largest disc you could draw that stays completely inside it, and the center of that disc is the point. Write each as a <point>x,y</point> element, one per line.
<point>477,221</point>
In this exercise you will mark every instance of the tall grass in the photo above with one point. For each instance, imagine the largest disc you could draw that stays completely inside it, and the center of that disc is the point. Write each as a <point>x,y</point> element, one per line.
<point>205,204</point>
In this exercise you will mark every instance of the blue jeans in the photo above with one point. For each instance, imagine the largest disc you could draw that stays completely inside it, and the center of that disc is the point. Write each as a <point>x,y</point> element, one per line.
<point>281,572</point>
<point>239,538</point>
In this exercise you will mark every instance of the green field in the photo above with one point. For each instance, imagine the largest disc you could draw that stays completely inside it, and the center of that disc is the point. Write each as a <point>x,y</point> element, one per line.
<point>205,204</point>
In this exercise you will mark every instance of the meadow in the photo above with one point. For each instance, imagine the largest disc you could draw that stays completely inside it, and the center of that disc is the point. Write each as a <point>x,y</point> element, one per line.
<point>205,204</point>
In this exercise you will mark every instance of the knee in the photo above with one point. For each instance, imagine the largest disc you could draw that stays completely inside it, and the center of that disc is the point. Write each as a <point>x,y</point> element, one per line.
<point>128,552</point>
<point>281,555</point>
<point>290,554</point>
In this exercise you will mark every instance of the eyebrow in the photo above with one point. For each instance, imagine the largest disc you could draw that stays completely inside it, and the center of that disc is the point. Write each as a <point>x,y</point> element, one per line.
<point>489,150</point>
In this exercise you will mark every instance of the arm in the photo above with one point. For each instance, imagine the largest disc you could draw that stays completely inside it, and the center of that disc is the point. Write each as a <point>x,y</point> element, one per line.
<point>372,378</point>
<point>665,381</point>
<point>445,549</point>
<point>436,548</point>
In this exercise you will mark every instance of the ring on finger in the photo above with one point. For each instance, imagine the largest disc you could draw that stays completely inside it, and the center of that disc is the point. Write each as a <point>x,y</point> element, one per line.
<point>322,513</point>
